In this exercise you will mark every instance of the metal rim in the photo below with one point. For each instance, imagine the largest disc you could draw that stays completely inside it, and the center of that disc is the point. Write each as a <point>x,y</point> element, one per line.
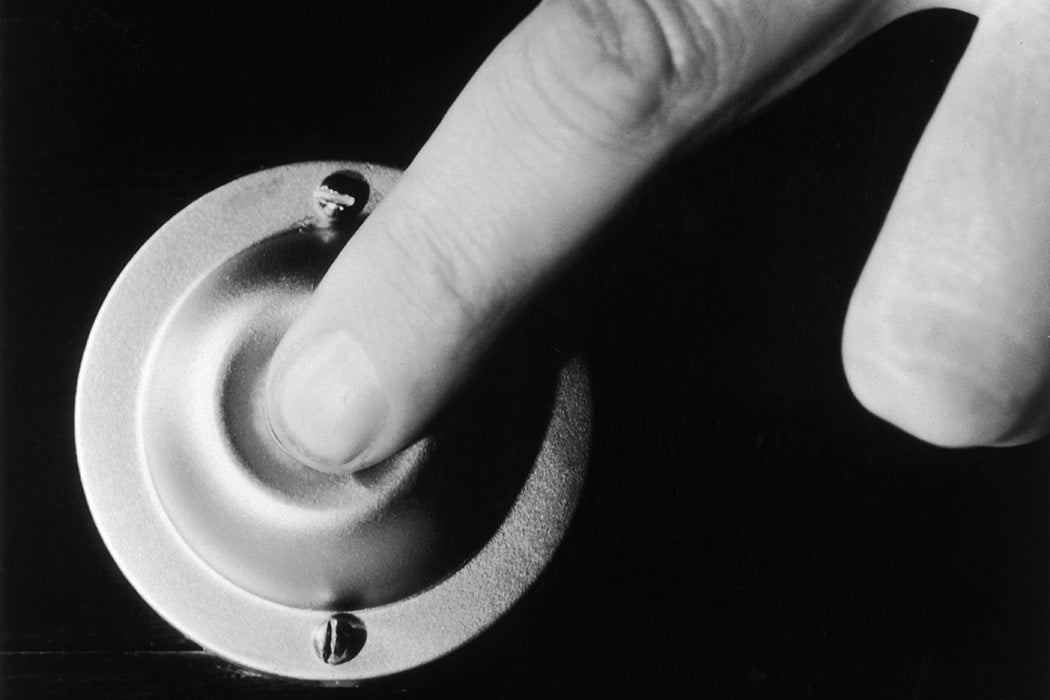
<point>207,608</point>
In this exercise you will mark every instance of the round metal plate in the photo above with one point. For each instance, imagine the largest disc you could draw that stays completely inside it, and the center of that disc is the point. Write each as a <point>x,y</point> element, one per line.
<point>206,606</point>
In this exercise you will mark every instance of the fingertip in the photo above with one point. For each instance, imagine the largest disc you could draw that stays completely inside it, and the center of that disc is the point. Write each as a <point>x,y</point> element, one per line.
<point>964,392</point>
<point>325,404</point>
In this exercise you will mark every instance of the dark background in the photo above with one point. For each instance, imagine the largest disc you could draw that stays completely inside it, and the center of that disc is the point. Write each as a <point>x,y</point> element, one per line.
<point>747,529</point>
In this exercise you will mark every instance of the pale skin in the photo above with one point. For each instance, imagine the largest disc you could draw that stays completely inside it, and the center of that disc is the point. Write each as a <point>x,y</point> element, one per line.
<point>948,332</point>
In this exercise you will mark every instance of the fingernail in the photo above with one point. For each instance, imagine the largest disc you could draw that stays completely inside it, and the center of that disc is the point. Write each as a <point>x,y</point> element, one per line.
<point>326,405</point>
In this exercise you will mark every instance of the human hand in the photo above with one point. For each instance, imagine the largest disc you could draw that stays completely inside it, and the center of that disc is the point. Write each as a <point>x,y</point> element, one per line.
<point>945,335</point>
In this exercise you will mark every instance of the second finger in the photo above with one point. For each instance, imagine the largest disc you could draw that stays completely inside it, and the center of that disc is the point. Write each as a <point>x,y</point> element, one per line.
<point>948,334</point>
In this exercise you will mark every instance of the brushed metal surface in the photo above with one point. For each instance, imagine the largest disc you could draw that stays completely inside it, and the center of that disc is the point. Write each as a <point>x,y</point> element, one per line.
<point>229,539</point>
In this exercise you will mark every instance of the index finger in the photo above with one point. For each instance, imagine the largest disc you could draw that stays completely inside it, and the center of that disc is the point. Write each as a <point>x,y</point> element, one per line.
<point>579,104</point>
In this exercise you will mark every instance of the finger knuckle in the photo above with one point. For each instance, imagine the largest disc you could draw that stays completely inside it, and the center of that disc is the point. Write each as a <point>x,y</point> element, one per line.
<point>638,68</point>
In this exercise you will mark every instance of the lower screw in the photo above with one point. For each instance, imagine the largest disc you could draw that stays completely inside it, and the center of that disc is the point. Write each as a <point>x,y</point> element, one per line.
<point>339,638</point>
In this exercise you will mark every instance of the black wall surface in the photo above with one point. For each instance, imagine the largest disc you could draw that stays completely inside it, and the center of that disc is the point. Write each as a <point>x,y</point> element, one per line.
<point>747,529</point>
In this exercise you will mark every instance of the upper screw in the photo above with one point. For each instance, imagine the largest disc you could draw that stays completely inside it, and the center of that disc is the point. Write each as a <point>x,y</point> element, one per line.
<point>339,638</point>
<point>341,194</point>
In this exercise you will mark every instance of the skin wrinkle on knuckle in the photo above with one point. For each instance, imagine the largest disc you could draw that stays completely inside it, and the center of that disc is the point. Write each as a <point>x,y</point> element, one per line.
<point>710,46</point>
<point>634,74</point>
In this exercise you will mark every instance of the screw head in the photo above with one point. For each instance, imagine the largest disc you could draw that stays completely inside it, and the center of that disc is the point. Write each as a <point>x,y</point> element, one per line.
<point>339,638</point>
<point>341,195</point>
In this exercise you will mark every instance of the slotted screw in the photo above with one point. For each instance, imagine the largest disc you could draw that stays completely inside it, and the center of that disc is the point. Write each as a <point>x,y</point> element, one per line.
<point>341,195</point>
<point>339,638</point>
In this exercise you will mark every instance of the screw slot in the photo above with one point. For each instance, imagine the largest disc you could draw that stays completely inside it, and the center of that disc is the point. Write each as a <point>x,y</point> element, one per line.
<point>339,638</point>
<point>341,195</point>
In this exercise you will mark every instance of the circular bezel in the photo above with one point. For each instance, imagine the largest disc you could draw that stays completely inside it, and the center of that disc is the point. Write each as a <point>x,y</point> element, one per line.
<point>182,588</point>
